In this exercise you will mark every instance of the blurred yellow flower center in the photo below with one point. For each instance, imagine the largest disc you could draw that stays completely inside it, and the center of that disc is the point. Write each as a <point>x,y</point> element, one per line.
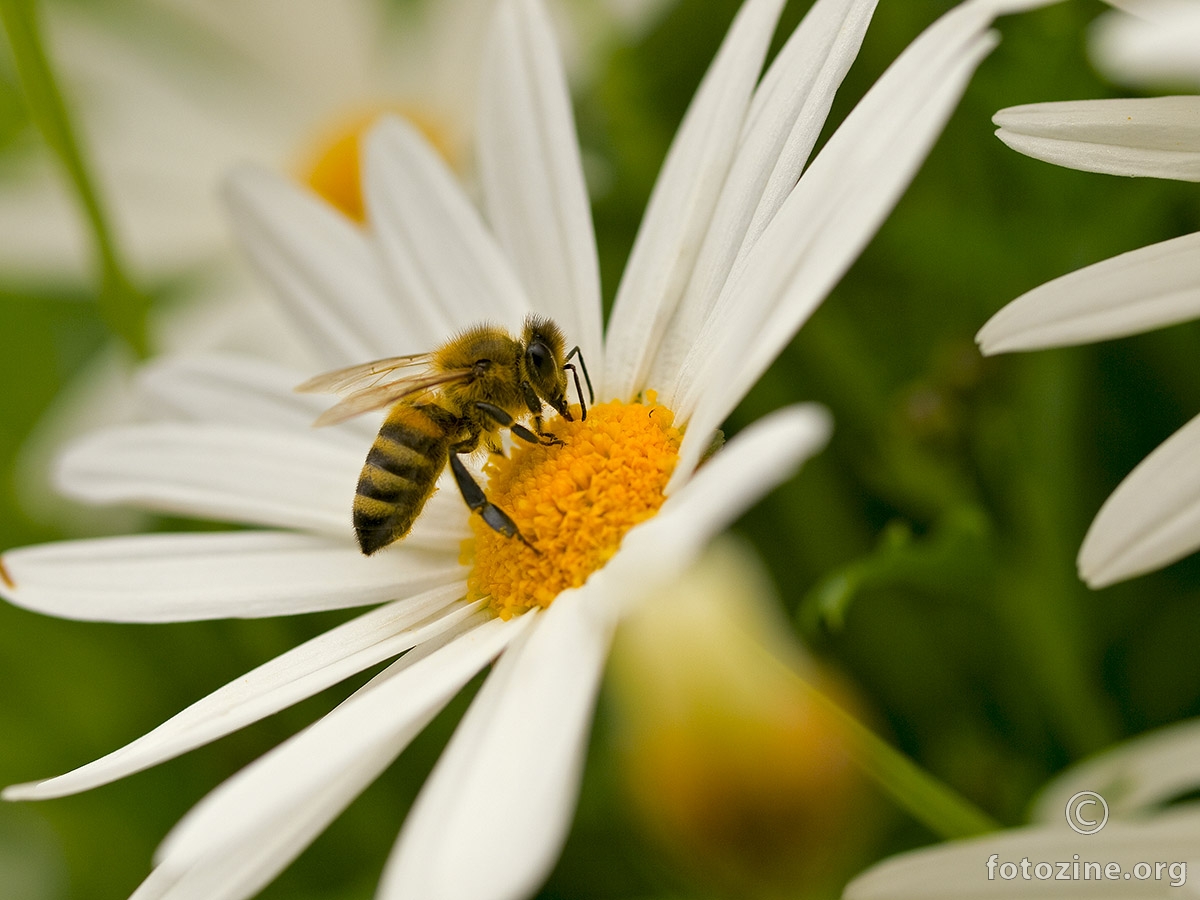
<point>572,502</point>
<point>332,166</point>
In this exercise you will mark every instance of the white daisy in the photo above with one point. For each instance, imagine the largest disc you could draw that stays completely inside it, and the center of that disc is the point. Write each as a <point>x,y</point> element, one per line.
<point>736,249</point>
<point>1122,790</point>
<point>1153,517</point>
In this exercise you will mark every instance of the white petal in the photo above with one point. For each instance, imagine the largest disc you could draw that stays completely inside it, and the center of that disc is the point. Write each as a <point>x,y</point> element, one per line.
<point>833,212</point>
<point>235,389</point>
<point>321,268</point>
<point>512,768</point>
<point>241,390</point>
<point>1128,294</point>
<point>1136,776</point>
<point>1157,137</point>
<point>301,672</point>
<point>243,574</point>
<point>752,463</point>
<point>438,251</point>
<point>959,870</point>
<point>786,115</point>
<point>240,872</point>
<point>681,205</point>
<point>1155,45</point>
<point>225,473</point>
<point>302,784</point>
<point>1152,518</point>
<point>532,177</point>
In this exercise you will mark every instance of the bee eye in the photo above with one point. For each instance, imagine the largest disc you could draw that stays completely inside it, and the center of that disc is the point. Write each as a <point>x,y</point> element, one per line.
<point>539,358</point>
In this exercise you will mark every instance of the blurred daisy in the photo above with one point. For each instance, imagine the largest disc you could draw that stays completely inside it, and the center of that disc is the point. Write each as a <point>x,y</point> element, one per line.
<point>169,94</point>
<point>1153,517</point>
<point>1123,791</point>
<point>736,249</point>
<point>730,760</point>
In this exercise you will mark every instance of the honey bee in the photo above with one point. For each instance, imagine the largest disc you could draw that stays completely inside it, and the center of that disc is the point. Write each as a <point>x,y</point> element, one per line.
<point>453,399</point>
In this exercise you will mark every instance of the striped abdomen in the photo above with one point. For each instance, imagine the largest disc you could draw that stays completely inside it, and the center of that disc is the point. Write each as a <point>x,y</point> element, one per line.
<point>405,461</point>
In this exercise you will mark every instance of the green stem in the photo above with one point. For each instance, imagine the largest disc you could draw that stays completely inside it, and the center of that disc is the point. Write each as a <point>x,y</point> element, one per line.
<point>927,799</point>
<point>122,307</point>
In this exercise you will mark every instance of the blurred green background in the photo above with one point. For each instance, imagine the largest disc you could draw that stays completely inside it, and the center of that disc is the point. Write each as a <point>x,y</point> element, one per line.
<point>928,554</point>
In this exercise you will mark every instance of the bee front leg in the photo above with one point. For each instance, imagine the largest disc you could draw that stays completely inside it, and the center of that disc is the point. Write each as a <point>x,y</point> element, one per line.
<point>503,419</point>
<point>496,518</point>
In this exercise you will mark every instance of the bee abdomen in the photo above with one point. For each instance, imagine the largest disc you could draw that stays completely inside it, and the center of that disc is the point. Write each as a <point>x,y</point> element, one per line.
<point>399,475</point>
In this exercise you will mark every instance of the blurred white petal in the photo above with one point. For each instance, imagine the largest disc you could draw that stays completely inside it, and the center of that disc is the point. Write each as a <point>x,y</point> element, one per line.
<point>532,177</point>
<point>1133,777</point>
<point>184,577</point>
<point>959,870</point>
<point>239,389</point>
<point>1152,518</point>
<point>445,265</point>
<point>1153,137</point>
<point>238,474</point>
<point>1152,42</point>
<point>1127,294</point>
<point>320,265</point>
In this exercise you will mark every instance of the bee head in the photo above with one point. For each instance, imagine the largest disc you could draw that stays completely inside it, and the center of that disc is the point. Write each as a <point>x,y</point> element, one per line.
<point>543,362</point>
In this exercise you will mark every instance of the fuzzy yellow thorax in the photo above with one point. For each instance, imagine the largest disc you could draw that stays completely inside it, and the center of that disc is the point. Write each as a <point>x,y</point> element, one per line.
<point>573,502</point>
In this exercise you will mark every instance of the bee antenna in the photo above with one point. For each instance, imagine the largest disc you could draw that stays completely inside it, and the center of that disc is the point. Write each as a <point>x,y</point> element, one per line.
<point>586,377</point>
<point>578,392</point>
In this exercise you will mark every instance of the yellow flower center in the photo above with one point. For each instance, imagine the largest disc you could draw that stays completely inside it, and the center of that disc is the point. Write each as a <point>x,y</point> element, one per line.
<point>573,502</point>
<point>332,167</point>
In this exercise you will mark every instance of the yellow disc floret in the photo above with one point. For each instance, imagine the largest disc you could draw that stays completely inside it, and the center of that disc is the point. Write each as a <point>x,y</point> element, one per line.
<point>572,502</point>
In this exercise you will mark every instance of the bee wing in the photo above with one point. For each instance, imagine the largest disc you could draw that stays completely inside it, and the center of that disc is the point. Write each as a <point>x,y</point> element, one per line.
<point>378,396</point>
<point>354,378</point>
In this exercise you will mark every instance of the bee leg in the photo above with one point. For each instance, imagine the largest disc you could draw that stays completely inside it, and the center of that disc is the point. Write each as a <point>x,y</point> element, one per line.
<point>547,437</point>
<point>506,421</point>
<point>477,501</point>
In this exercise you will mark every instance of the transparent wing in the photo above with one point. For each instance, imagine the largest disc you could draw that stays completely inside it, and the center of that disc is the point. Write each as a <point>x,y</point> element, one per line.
<point>354,378</point>
<point>378,396</point>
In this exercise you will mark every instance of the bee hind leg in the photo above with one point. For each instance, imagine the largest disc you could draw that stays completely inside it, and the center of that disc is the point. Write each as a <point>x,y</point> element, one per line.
<point>496,518</point>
